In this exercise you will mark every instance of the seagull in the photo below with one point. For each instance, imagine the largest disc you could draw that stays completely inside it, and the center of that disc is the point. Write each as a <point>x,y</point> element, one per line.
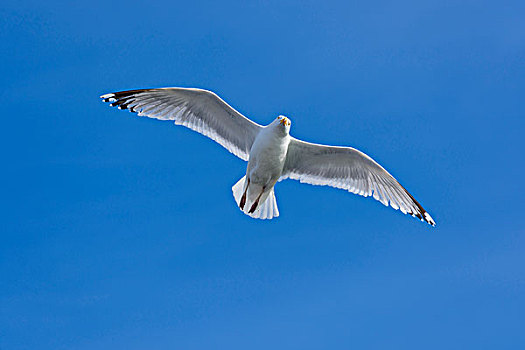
<point>271,152</point>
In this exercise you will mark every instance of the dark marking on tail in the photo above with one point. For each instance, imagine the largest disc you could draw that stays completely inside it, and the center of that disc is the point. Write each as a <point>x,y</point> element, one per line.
<point>242,203</point>
<point>254,206</point>
<point>256,203</point>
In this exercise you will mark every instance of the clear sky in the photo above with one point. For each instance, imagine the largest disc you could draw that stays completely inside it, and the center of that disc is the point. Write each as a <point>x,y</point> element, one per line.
<point>120,232</point>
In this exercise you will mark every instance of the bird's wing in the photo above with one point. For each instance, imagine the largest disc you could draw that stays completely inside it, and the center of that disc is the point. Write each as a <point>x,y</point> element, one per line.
<point>199,110</point>
<point>351,170</point>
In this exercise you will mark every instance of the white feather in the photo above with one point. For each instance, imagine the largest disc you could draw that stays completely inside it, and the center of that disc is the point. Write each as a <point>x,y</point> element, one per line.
<point>349,169</point>
<point>197,109</point>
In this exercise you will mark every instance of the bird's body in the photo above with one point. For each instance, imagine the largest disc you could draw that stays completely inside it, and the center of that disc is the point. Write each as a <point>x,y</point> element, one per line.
<point>267,155</point>
<point>265,165</point>
<point>271,152</point>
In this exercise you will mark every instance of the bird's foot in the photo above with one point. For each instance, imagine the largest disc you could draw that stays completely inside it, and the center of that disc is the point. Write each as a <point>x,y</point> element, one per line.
<point>242,203</point>
<point>256,203</point>
<point>254,206</point>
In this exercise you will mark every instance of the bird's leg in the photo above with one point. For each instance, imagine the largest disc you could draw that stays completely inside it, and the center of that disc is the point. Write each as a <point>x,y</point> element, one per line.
<point>256,203</point>
<point>243,198</point>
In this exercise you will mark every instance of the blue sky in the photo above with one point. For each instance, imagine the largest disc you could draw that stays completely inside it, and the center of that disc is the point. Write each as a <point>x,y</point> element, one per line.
<point>115,236</point>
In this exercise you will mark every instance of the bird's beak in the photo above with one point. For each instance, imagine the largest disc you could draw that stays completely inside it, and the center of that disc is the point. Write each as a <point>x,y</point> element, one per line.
<point>284,122</point>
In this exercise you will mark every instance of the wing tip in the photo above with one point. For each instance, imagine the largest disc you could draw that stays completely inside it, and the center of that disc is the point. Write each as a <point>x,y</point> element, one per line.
<point>114,96</point>
<point>421,213</point>
<point>425,217</point>
<point>108,98</point>
<point>118,99</point>
<point>429,219</point>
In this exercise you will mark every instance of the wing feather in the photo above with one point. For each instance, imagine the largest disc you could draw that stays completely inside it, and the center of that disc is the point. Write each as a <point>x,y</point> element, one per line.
<point>349,169</point>
<point>197,109</point>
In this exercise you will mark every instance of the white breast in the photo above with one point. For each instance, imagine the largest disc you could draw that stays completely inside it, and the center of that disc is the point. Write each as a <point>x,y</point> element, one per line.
<point>267,155</point>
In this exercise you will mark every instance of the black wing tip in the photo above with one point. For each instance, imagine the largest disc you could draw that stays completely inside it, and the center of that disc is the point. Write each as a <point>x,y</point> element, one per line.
<point>425,217</point>
<point>122,94</point>
<point>118,99</point>
<point>421,213</point>
<point>108,97</point>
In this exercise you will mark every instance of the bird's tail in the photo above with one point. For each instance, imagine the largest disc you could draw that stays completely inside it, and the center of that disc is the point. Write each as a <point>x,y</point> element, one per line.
<point>266,210</point>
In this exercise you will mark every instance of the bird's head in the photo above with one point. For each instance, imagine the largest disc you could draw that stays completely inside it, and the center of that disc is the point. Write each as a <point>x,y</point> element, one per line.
<point>283,122</point>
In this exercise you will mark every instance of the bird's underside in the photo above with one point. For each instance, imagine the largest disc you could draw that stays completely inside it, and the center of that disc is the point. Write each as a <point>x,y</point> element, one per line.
<point>272,154</point>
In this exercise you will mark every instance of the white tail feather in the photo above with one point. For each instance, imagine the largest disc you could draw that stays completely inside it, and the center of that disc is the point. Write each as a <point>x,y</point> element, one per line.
<point>266,210</point>
<point>238,189</point>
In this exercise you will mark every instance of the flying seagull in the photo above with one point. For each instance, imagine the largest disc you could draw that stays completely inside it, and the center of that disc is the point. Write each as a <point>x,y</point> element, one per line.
<point>271,152</point>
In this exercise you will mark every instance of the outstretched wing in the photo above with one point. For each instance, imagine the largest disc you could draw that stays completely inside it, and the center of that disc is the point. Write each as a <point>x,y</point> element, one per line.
<point>351,170</point>
<point>199,110</point>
